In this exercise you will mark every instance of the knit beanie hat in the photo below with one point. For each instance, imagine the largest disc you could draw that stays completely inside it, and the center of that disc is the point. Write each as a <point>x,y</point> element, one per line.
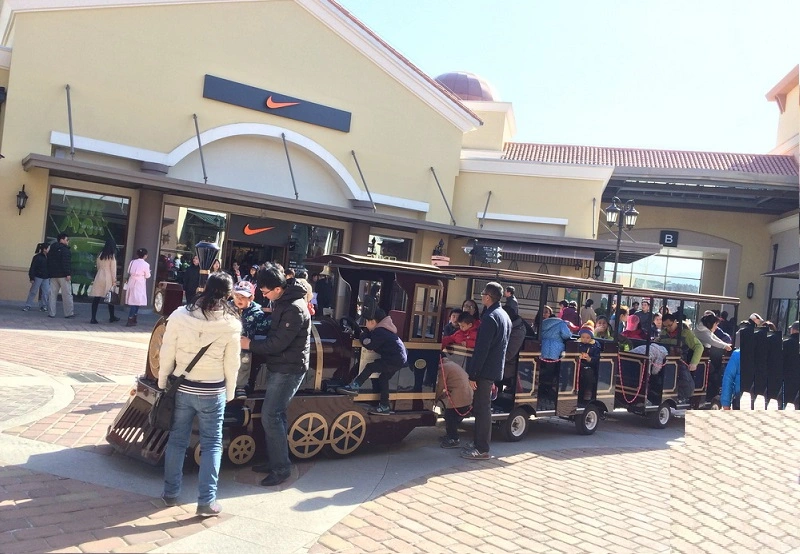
<point>587,330</point>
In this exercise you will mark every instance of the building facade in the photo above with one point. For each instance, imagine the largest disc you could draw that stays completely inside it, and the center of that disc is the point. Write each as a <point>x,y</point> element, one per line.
<point>287,129</point>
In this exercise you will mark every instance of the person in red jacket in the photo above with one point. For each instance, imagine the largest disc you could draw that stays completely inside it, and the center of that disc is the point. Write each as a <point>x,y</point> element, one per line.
<point>466,334</point>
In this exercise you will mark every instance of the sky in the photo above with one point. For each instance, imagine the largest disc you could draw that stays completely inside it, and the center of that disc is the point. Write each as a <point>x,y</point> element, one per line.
<point>679,75</point>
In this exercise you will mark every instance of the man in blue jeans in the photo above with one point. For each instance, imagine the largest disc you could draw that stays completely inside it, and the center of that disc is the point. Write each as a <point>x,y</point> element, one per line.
<point>286,350</point>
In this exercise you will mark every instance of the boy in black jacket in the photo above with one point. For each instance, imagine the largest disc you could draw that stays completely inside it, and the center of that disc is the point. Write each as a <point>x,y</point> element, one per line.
<point>380,337</point>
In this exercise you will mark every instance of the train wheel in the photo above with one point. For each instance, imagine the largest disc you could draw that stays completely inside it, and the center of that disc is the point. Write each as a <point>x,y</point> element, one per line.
<point>307,435</point>
<point>660,418</point>
<point>241,449</point>
<point>716,404</point>
<point>347,433</point>
<point>587,422</point>
<point>515,426</point>
<point>197,454</point>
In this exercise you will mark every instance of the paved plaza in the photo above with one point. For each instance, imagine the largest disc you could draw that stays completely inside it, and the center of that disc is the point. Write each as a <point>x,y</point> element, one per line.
<point>716,481</point>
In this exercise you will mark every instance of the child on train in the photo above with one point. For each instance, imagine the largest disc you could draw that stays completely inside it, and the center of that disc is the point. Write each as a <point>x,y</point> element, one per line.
<point>380,337</point>
<point>467,332</point>
<point>589,363</point>
<point>452,324</point>
<point>254,322</point>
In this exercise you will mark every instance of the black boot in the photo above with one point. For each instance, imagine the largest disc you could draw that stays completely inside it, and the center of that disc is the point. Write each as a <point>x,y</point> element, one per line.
<point>95,303</point>
<point>111,317</point>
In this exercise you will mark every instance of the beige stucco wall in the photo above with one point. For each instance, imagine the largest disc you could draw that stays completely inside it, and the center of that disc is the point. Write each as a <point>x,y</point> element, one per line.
<point>491,134</point>
<point>789,120</point>
<point>550,197</point>
<point>136,78</point>
<point>744,236</point>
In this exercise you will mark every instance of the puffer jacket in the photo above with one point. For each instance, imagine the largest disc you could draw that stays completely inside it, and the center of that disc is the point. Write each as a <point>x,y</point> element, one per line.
<point>288,346</point>
<point>554,332</point>
<point>59,261</point>
<point>189,331</point>
<point>38,267</point>
<point>383,340</point>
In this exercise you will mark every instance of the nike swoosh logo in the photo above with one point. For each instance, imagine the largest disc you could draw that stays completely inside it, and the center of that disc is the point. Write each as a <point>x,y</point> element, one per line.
<point>271,104</point>
<point>250,231</point>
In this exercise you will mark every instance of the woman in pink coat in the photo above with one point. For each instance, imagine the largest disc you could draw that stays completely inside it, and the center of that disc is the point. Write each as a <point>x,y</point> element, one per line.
<point>136,295</point>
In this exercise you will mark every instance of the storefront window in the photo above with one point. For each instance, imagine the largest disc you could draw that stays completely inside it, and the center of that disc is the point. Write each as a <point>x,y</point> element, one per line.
<point>310,241</point>
<point>89,219</point>
<point>181,229</point>
<point>660,273</point>
<point>389,248</point>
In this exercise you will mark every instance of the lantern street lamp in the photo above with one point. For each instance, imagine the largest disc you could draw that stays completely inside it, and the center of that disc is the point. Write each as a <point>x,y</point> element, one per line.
<point>619,217</point>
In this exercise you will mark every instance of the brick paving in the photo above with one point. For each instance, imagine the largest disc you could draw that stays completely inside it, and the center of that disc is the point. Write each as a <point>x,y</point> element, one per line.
<point>45,513</point>
<point>84,422</point>
<point>16,400</point>
<point>743,489</point>
<point>573,501</point>
<point>732,486</point>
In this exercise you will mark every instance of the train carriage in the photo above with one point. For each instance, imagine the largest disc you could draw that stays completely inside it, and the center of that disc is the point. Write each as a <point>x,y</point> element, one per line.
<point>650,389</point>
<point>526,390</point>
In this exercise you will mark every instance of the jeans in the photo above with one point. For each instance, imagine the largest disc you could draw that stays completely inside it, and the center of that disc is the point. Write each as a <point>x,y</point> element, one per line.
<point>281,388</point>
<point>482,411</point>
<point>56,284</point>
<point>41,286</point>
<point>133,311</point>
<point>209,409</point>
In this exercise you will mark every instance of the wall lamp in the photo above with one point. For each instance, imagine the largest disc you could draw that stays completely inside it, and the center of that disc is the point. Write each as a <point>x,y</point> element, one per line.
<point>751,288</point>
<point>22,199</point>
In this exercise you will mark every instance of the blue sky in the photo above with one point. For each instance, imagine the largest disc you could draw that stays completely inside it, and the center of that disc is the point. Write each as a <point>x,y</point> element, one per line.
<point>682,75</point>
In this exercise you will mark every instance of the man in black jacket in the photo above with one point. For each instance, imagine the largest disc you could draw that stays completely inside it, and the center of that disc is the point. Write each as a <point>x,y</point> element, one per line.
<point>59,267</point>
<point>486,366</point>
<point>286,349</point>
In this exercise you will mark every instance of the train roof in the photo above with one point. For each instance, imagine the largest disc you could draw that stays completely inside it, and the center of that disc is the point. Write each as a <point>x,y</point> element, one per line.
<point>514,276</point>
<point>379,264</point>
<point>675,295</point>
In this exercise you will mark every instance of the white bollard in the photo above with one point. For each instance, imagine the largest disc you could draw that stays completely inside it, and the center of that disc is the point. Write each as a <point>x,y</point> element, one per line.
<point>745,402</point>
<point>772,404</point>
<point>760,404</point>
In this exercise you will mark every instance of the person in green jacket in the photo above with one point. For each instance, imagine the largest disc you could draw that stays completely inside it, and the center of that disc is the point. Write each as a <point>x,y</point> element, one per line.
<point>672,327</point>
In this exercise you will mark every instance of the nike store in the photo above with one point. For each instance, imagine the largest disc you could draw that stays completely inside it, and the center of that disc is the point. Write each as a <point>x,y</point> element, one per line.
<point>243,239</point>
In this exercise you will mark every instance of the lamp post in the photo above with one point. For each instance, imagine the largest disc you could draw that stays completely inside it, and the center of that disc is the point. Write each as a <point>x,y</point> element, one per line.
<point>615,216</point>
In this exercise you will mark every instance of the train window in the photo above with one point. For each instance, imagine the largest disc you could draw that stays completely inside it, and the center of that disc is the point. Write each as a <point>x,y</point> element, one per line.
<point>425,314</point>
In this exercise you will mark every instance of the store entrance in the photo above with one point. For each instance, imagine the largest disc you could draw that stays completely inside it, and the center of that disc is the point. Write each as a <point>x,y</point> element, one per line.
<point>250,254</point>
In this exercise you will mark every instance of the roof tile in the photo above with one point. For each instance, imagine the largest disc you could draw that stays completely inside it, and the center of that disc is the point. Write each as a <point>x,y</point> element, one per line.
<point>640,157</point>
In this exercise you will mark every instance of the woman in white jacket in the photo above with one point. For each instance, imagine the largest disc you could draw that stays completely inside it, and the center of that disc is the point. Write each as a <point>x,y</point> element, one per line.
<point>704,331</point>
<point>207,388</point>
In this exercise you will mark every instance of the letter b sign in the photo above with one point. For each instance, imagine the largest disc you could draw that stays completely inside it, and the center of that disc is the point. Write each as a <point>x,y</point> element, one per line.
<point>669,238</point>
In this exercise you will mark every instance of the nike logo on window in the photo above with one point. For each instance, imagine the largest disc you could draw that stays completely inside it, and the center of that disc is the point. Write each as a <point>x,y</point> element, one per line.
<point>271,104</point>
<point>250,231</point>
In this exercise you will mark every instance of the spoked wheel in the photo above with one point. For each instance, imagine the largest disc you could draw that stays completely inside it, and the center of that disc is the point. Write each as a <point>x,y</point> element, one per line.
<point>241,449</point>
<point>347,433</point>
<point>307,435</point>
<point>515,427</point>
<point>587,422</point>
<point>660,418</point>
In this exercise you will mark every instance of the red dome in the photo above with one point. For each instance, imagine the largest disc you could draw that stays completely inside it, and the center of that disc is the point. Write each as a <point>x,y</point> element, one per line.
<point>468,86</point>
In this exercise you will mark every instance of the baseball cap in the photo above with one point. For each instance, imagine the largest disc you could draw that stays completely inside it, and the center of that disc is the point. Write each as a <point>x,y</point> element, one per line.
<point>244,288</point>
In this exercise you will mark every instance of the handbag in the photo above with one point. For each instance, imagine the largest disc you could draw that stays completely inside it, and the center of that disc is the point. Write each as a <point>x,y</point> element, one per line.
<point>127,278</point>
<point>160,416</point>
<point>112,296</point>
